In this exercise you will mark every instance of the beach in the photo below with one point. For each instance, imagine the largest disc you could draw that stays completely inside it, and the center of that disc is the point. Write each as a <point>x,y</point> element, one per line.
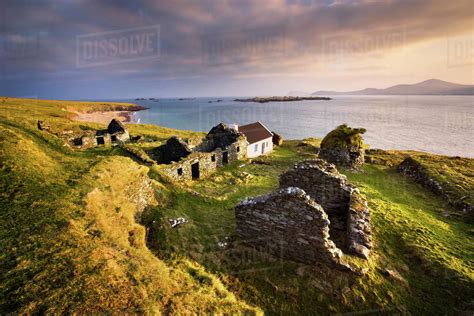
<point>104,117</point>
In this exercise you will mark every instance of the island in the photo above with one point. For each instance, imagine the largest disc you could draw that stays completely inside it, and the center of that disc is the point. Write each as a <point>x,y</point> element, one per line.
<point>282,99</point>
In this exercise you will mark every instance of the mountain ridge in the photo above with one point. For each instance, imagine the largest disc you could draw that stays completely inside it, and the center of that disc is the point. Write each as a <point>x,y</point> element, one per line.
<point>427,87</point>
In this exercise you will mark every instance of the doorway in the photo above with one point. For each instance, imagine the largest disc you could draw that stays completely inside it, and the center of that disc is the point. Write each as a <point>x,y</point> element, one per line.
<point>195,170</point>
<point>225,157</point>
<point>100,141</point>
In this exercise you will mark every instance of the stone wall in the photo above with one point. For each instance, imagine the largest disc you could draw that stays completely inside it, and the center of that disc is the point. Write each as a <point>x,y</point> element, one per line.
<point>208,161</point>
<point>173,150</point>
<point>98,138</point>
<point>321,180</point>
<point>418,173</point>
<point>342,156</point>
<point>287,223</point>
<point>116,133</point>
<point>346,214</point>
<point>359,233</point>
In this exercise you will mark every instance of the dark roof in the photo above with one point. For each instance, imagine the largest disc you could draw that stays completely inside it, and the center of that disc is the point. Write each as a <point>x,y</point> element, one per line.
<point>115,126</point>
<point>255,132</point>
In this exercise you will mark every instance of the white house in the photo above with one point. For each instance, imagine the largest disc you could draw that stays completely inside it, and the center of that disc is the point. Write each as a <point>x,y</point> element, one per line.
<point>259,139</point>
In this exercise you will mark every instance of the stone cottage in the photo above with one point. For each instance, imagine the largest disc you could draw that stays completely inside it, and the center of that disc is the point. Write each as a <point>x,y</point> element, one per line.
<point>115,133</point>
<point>259,138</point>
<point>222,145</point>
<point>315,216</point>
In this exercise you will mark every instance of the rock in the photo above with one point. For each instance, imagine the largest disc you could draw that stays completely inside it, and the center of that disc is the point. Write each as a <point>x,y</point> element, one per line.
<point>361,251</point>
<point>277,139</point>
<point>43,126</point>
<point>394,275</point>
<point>261,162</point>
<point>178,221</point>
<point>344,146</point>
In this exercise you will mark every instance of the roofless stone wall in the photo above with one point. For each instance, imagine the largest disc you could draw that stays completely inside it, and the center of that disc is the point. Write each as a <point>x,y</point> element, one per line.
<point>314,213</point>
<point>287,223</point>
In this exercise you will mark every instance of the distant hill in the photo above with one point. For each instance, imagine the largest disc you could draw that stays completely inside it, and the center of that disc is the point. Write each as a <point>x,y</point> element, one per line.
<point>428,87</point>
<point>298,94</point>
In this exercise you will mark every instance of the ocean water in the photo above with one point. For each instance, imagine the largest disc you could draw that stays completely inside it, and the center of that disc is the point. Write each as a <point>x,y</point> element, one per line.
<point>437,124</point>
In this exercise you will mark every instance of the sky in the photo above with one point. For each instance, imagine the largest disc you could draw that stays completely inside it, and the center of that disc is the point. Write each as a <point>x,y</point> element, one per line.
<point>85,49</point>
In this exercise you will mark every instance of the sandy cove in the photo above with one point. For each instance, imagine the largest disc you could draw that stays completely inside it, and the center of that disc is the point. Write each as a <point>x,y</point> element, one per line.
<point>104,117</point>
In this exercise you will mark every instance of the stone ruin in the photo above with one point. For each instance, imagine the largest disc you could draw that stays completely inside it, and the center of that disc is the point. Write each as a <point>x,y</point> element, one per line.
<point>344,147</point>
<point>116,133</point>
<point>194,160</point>
<point>277,139</point>
<point>315,216</point>
<point>287,222</point>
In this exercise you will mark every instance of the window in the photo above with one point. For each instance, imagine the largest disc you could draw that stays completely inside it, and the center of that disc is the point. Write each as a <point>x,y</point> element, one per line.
<point>256,147</point>
<point>213,158</point>
<point>238,148</point>
<point>113,138</point>
<point>100,140</point>
<point>180,171</point>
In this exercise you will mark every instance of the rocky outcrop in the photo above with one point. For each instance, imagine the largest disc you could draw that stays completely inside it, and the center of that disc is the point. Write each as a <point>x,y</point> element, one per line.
<point>344,147</point>
<point>289,224</point>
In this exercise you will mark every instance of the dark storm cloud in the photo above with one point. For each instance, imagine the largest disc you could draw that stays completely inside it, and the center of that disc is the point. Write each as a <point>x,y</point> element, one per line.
<point>198,38</point>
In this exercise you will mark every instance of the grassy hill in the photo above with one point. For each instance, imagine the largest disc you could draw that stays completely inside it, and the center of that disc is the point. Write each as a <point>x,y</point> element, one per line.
<point>71,242</point>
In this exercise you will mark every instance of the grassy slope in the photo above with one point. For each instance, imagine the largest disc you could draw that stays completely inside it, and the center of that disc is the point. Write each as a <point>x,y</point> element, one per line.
<point>434,254</point>
<point>69,239</point>
<point>455,174</point>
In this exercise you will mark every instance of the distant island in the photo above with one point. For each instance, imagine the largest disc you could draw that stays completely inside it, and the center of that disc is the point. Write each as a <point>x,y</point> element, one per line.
<point>428,87</point>
<point>281,99</point>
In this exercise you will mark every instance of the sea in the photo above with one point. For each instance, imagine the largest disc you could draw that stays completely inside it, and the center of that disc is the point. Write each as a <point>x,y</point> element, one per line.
<point>436,124</point>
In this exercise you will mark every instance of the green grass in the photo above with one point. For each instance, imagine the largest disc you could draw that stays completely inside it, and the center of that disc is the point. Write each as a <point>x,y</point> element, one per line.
<point>455,174</point>
<point>69,238</point>
<point>70,242</point>
<point>432,253</point>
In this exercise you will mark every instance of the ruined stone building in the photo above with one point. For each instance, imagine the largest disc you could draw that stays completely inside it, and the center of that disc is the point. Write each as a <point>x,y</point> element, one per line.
<point>315,216</point>
<point>344,147</point>
<point>115,133</point>
<point>186,161</point>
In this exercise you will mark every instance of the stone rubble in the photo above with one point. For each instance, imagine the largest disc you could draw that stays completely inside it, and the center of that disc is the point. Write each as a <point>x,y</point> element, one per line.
<point>178,221</point>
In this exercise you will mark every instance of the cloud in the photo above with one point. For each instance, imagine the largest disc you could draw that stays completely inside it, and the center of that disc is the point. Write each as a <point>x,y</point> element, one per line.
<point>226,37</point>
